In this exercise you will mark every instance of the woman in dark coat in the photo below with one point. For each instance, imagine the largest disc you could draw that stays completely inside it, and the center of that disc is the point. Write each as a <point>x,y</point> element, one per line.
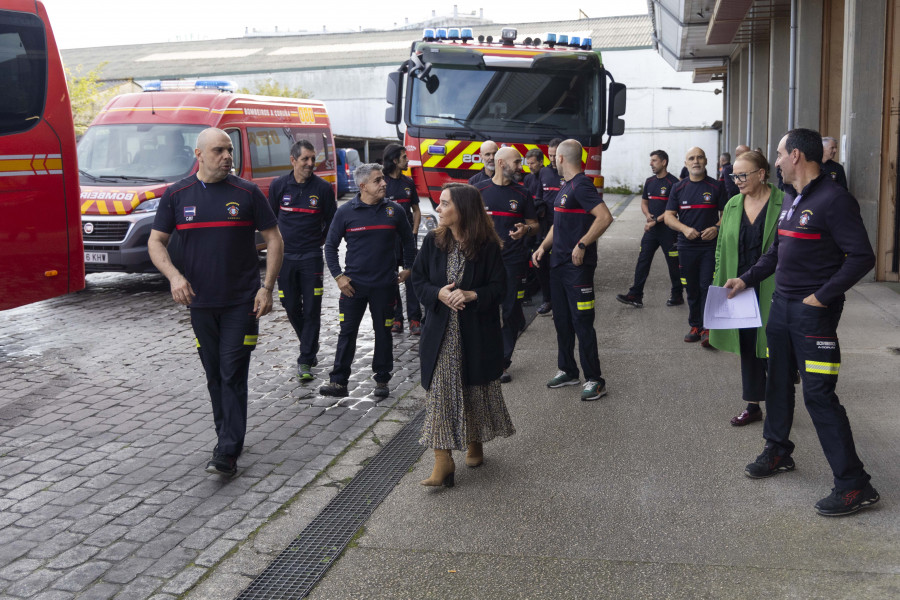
<point>460,280</point>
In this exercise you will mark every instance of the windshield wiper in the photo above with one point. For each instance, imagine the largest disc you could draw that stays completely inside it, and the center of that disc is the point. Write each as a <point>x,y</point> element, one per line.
<point>555,129</point>
<point>458,121</point>
<point>127,178</point>
<point>88,175</point>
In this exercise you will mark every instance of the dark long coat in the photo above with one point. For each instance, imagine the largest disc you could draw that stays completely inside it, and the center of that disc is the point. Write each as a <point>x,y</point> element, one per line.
<point>479,321</point>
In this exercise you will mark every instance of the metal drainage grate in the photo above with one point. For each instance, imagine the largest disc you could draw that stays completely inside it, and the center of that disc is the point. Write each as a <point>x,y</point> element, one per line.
<point>299,567</point>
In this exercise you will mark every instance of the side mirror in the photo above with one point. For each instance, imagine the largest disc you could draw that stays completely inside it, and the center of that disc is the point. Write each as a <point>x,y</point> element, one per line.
<point>394,113</point>
<point>616,108</point>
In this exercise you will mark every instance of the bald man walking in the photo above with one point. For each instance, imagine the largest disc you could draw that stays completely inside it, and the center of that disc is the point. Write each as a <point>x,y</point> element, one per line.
<point>216,215</point>
<point>487,153</point>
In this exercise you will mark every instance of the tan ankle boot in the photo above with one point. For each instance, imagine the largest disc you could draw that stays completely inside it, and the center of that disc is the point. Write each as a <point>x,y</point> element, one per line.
<point>475,455</point>
<point>443,469</point>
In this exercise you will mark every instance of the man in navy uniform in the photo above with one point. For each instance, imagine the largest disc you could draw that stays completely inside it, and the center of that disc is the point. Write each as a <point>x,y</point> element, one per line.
<point>401,190</point>
<point>656,234</point>
<point>579,219</point>
<point>370,226</point>
<point>534,184</point>
<point>821,250</point>
<point>305,205</point>
<point>216,215</point>
<point>831,167</point>
<point>512,210</point>
<point>694,208</point>
<point>487,153</point>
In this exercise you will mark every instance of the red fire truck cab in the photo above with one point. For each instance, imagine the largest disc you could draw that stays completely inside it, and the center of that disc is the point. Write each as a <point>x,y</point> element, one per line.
<point>141,143</point>
<point>40,235</point>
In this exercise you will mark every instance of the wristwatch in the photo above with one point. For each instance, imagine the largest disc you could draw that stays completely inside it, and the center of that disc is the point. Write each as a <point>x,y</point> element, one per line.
<point>581,245</point>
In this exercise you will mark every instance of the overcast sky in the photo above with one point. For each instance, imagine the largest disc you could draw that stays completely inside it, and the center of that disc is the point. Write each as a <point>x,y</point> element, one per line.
<point>87,23</point>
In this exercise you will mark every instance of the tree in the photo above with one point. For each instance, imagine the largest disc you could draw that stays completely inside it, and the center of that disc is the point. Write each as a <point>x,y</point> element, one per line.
<point>86,94</point>
<point>270,87</point>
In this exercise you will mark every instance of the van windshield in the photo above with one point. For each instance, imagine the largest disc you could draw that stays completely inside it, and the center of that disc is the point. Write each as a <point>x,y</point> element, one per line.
<point>115,153</point>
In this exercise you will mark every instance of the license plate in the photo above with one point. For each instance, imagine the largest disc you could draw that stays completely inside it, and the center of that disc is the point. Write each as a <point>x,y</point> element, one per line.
<point>96,257</point>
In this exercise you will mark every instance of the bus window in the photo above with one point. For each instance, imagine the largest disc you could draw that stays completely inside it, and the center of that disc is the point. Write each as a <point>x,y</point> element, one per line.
<point>23,71</point>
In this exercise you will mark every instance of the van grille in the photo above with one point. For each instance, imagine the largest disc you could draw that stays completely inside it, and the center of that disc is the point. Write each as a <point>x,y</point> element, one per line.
<point>105,231</point>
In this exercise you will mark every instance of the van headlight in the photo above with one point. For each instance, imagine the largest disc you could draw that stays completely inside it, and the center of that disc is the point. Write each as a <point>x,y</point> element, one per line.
<point>147,206</point>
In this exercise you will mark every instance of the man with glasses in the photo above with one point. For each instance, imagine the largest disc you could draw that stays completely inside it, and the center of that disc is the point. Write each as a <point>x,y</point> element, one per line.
<point>694,208</point>
<point>821,250</point>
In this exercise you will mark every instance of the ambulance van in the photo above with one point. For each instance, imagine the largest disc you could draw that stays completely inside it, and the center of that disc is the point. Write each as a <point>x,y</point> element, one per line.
<point>143,142</point>
<point>40,231</point>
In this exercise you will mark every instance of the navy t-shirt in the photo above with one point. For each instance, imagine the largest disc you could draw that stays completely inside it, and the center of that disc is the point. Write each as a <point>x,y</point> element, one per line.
<point>508,205</point>
<point>550,184</point>
<point>656,192</point>
<point>532,183</point>
<point>402,191</point>
<point>697,204</point>
<point>305,211</point>
<point>479,177</point>
<point>572,218</point>
<point>217,224</point>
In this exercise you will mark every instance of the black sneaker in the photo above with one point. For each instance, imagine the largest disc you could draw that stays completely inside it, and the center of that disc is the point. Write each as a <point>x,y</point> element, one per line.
<point>847,502</point>
<point>222,464</point>
<point>333,388</point>
<point>675,301</point>
<point>630,299</point>
<point>769,463</point>
<point>381,390</point>
<point>544,309</point>
<point>505,377</point>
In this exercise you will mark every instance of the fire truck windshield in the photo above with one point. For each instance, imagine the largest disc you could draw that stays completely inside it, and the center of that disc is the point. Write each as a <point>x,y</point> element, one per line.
<point>108,153</point>
<point>498,100</point>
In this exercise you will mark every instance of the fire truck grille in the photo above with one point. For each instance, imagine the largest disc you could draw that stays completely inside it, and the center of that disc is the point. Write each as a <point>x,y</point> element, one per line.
<point>106,231</point>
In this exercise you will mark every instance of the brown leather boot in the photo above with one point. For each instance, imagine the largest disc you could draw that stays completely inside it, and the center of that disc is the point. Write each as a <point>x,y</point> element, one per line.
<point>474,455</point>
<point>443,469</point>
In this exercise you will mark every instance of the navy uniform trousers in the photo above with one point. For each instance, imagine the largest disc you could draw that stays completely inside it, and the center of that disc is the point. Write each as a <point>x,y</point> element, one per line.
<point>697,266</point>
<point>511,308</point>
<point>225,338</point>
<point>413,309</point>
<point>659,236</point>
<point>572,298</point>
<point>300,290</point>
<point>806,337</point>
<point>380,301</point>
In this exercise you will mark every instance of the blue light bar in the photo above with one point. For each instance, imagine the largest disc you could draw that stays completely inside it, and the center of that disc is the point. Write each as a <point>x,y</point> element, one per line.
<point>587,43</point>
<point>550,39</point>
<point>575,41</point>
<point>453,33</point>
<point>441,34</point>
<point>467,33</point>
<point>153,86</point>
<point>428,34</point>
<point>563,40</point>
<point>215,84</point>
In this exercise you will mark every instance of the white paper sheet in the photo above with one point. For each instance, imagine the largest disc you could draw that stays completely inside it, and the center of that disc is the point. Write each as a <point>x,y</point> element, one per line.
<point>740,312</point>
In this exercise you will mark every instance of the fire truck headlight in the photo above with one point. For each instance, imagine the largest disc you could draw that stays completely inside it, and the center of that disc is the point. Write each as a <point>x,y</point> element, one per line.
<point>147,206</point>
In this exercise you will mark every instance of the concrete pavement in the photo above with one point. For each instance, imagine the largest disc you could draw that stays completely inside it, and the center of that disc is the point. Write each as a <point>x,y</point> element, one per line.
<point>642,494</point>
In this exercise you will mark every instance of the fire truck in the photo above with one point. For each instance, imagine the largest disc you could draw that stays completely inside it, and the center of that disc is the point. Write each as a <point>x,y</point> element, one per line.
<point>460,92</point>
<point>141,143</point>
<point>40,233</point>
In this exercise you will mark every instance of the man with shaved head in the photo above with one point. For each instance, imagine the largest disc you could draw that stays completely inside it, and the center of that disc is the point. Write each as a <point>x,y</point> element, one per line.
<point>488,151</point>
<point>216,215</point>
<point>511,208</point>
<point>694,209</point>
<point>579,219</point>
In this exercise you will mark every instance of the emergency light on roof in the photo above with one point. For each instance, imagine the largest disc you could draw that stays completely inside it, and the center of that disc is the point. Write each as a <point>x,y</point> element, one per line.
<point>508,36</point>
<point>428,35</point>
<point>222,85</point>
<point>441,34</point>
<point>562,40</point>
<point>453,33</point>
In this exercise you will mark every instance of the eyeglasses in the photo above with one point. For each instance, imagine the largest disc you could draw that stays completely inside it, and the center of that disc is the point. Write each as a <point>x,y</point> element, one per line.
<point>742,177</point>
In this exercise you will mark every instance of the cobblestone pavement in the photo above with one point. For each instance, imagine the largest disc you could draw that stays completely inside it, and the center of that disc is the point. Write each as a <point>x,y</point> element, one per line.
<point>105,430</point>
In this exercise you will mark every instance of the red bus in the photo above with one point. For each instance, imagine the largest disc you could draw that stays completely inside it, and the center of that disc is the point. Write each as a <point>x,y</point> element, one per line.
<point>40,227</point>
<point>461,92</point>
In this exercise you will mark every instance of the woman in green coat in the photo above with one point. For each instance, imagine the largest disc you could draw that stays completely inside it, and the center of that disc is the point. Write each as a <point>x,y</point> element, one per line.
<point>747,229</point>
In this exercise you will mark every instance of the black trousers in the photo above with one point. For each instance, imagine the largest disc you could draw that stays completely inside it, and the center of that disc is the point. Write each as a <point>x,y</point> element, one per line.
<point>380,301</point>
<point>513,316</point>
<point>659,236</point>
<point>805,337</point>
<point>225,339</point>
<point>543,269</point>
<point>413,309</point>
<point>300,290</point>
<point>753,368</point>
<point>697,266</point>
<point>572,298</point>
